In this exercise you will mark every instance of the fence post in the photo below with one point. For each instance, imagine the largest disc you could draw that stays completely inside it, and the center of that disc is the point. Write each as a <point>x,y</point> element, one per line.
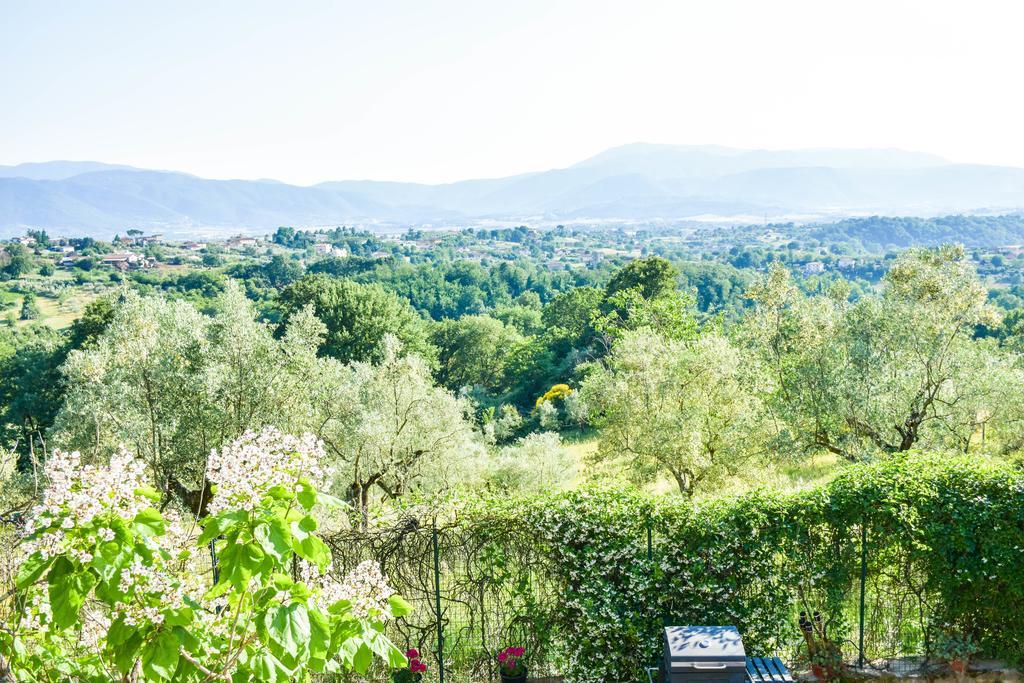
<point>863,584</point>
<point>483,632</point>
<point>213,561</point>
<point>650,551</point>
<point>437,603</point>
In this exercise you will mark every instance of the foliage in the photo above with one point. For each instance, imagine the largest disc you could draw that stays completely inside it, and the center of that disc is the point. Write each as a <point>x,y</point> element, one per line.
<point>473,351</point>
<point>651,277</point>
<point>172,383</point>
<point>944,529</point>
<point>111,592</point>
<point>29,307</point>
<point>16,261</point>
<point>558,392</point>
<point>357,317</point>
<point>889,373</point>
<point>536,462</point>
<point>389,430</point>
<point>686,409</point>
<point>955,646</point>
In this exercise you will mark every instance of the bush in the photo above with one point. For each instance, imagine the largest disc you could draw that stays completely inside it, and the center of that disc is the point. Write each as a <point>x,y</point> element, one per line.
<point>950,531</point>
<point>945,540</point>
<point>108,583</point>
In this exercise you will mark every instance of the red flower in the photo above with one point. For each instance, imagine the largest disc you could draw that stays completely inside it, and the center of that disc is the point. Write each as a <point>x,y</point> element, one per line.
<point>412,653</point>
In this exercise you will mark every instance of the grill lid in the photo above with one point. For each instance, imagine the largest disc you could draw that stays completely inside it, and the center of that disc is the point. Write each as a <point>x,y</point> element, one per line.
<point>720,646</point>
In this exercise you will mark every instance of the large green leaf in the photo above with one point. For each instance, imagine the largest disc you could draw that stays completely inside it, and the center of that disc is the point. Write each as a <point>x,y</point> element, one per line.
<point>31,569</point>
<point>149,522</point>
<point>362,658</point>
<point>314,550</point>
<point>319,635</point>
<point>68,590</point>
<point>399,606</point>
<point>217,525</point>
<point>288,626</point>
<point>266,668</point>
<point>275,538</point>
<point>160,656</point>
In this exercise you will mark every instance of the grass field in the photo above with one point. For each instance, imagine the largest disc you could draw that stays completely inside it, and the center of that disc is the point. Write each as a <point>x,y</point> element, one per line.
<point>53,312</point>
<point>786,476</point>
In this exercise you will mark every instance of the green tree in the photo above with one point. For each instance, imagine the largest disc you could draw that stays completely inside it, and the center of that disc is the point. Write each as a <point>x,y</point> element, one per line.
<point>652,277</point>
<point>16,261</point>
<point>472,351</point>
<point>574,311</point>
<point>687,409</point>
<point>388,429</point>
<point>886,373</point>
<point>31,389</point>
<point>172,384</point>
<point>357,317</point>
<point>29,307</point>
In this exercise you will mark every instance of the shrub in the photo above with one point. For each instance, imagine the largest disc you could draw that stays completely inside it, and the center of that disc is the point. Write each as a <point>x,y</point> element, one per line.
<point>948,532</point>
<point>110,583</point>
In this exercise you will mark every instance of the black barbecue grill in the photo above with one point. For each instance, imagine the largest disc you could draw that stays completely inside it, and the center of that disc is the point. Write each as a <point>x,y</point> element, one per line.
<point>713,654</point>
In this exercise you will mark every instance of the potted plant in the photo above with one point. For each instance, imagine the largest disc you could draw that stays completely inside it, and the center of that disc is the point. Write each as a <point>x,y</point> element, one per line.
<point>511,665</point>
<point>413,673</point>
<point>956,648</point>
<point>824,654</point>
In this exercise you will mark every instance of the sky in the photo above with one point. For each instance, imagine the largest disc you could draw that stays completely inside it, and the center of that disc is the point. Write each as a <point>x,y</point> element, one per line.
<point>436,91</point>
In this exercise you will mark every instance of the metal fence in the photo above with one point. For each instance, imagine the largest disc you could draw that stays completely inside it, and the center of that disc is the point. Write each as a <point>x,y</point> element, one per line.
<point>476,594</point>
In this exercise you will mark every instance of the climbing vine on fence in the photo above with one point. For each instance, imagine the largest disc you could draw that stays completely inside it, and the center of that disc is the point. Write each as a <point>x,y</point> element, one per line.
<point>596,573</point>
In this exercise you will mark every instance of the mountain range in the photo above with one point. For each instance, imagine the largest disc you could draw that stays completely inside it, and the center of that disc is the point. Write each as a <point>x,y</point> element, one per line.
<point>637,182</point>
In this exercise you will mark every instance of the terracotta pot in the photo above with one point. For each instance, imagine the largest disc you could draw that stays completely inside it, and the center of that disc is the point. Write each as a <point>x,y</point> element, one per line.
<point>959,666</point>
<point>824,673</point>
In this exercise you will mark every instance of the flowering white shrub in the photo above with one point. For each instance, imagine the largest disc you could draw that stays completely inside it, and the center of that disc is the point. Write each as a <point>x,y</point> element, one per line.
<point>245,470</point>
<point>111,588</point>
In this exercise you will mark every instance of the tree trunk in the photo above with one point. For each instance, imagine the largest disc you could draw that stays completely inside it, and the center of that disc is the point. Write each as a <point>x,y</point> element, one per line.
<point>684,482</point>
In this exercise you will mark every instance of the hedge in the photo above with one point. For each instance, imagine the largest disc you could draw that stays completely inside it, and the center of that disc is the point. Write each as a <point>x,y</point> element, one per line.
<point>945,540</point>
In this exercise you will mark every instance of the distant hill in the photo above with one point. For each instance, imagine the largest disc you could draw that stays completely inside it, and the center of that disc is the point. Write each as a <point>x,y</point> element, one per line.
<point>56,170</point>
<point>632,182</point>
<point>880,233</point>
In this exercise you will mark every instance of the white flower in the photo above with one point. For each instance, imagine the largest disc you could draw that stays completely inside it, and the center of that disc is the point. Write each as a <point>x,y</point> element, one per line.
<point>77,494</point>
<point>247,468</point>
<point>365,587</point>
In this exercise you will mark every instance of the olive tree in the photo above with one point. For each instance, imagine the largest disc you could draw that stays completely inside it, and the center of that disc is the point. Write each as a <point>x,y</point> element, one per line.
<point>173,384</point>
<point>388,429</point>
<point>683,408</point>
<point>885,373</point>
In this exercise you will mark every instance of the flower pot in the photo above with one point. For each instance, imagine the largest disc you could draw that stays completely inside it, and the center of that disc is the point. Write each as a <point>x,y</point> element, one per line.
<point>959,666</point>
<point>824,673</point>
<point>521,678</point>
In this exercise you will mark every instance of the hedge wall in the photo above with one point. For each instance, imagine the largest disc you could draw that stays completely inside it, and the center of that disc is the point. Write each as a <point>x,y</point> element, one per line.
<point>945,542</point>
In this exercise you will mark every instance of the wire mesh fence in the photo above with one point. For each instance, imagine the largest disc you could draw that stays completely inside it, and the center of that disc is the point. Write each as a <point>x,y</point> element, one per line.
<point>476,593</point>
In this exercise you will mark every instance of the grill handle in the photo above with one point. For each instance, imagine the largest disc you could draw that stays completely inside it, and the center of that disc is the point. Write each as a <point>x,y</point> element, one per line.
<point>697,665</point>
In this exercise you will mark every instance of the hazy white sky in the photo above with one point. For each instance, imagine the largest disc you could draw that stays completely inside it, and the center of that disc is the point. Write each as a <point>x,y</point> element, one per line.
<point>307,91</point>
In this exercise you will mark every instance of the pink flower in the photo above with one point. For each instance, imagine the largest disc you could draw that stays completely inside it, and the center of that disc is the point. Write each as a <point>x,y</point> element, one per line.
<point>518,651</point>
<point>412,653</point>
<point>503,656</point>
<point>416,666</point>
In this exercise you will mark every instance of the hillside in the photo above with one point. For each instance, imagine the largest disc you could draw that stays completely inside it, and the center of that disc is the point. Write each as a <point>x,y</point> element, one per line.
<point>632,182</point>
